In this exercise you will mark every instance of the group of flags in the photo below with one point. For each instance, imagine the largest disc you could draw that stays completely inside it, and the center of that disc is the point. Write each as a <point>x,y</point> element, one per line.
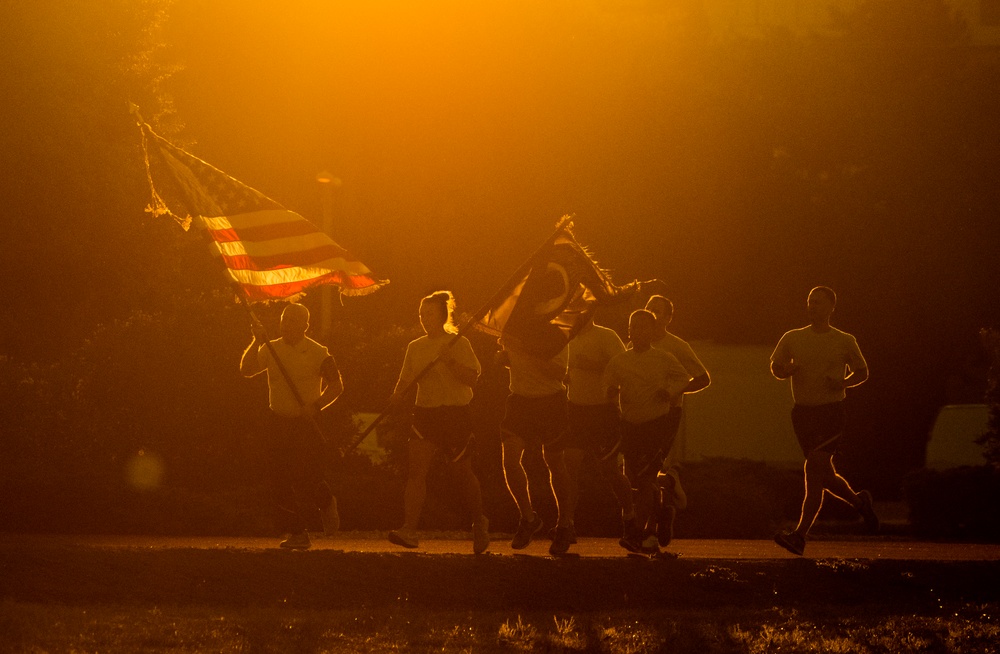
<point>272,253</point>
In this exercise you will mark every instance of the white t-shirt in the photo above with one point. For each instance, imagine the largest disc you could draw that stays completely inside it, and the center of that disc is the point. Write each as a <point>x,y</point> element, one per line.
<point>302,362</point>
<point>685,355</point>
<point>821,356</point>
<point>438,386</point>
<point>639,376</point>
<point>530,376</point>
<point>589,353</point>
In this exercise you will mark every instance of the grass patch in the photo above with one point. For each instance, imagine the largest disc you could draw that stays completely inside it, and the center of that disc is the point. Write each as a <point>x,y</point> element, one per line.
<point>56,596</point>
<point>32,627</point>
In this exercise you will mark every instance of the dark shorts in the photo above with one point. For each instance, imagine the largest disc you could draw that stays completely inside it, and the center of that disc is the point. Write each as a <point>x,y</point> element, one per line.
<point>646,445</point>
<point>296,459</point>
<point>447,427</point>
<point>535,420</point>
<point>293,444</point>
<point>595,429</point>
<point>819,428</point>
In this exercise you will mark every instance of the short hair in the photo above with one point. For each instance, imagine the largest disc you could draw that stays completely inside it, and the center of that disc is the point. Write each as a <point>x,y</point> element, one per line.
<point>827,291</point>
<point>293,307</point>
<point>666,301</point>
<point>446,300</point>
<point>648,315</point>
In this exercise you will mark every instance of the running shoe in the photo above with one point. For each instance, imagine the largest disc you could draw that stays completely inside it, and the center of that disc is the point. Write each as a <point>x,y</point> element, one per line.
<point>405,539</point>
<point>480,535</point>
<point>867,512</point>
<point>791,541</point>
<point>665,525</point>
<point>632,536</point>
<point>650,545</point>
<point>525,532</point>
<point>296,542</point>
<point>564,537</point>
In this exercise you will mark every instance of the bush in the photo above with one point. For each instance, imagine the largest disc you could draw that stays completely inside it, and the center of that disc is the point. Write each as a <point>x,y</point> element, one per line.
<point>991,439</point>
<point>737,498</point>
<point>955,503</point>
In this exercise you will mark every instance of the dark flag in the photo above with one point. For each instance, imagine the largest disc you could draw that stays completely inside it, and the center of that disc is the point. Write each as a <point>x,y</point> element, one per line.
<point>554,299</point>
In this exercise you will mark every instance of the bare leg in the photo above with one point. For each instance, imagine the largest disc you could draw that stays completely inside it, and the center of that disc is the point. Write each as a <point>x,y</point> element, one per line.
<point>574,461</point>
<point>562,485</point>
<point>821,476</point>
<point>613,473</point>
<point>471,490</point>
<point>420,455</point>
<point>647,500</point>
<point>515,475</point>
<point>837,486</point>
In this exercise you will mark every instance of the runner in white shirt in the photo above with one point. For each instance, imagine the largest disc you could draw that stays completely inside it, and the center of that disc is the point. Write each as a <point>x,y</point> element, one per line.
<point>822,362</point>
<point>674,498</point>
<point>648,382</point>
<point>534,416</point>
<point>442,421</point>
<point>293,445</point>
<point>594,425</point>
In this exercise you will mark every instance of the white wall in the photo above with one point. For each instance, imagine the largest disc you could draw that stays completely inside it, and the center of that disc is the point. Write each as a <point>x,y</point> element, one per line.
<point>744,414</point>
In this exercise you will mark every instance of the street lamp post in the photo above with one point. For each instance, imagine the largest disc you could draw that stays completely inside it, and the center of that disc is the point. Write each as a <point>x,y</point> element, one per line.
<point>327,184</point>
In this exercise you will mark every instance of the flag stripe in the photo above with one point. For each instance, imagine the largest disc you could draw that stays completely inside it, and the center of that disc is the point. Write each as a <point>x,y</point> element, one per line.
<point>272,287</point>
<point>259,226</point>
<point>278,246</point>
<point>293,260</point>
<point>263,233</point>
<point>289,275</point>
<point>256,218</point>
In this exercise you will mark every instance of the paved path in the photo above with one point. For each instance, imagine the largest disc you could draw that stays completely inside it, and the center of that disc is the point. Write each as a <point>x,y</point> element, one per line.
<point>871,548</point>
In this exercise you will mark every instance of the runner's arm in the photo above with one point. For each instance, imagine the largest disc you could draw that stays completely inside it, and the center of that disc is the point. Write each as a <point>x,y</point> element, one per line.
<point>250,364</point>
<point>334,384</point>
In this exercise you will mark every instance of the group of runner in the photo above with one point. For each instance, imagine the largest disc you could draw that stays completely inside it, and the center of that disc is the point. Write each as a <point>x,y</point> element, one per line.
<point>596,397</point>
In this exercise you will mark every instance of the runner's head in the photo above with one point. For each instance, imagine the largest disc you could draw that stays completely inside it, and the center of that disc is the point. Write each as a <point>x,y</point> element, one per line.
<point>437,313</point>
<point>820,304</point>
<point>294,323</point>
<point>641,329</point>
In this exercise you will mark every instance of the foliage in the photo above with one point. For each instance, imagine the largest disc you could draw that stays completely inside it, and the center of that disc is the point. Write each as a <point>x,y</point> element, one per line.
<point>991,439</point>
<point>78,251</point>
<point>77,426</point>
<point>955,503</point>
<point>730,498</point>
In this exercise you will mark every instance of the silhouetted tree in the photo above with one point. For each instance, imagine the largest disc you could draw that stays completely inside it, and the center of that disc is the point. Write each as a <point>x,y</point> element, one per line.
<point>77,250</point>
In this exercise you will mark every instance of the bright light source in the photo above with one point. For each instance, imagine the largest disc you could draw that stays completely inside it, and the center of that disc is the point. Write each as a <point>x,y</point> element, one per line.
<point>325,177</point>
<point>145,470</point>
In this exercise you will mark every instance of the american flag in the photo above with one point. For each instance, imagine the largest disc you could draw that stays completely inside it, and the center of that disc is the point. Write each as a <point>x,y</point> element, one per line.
<point>271,252</point>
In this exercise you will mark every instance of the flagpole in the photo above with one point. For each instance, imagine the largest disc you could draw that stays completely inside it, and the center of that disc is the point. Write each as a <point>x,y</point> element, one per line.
<point>469,324</point>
